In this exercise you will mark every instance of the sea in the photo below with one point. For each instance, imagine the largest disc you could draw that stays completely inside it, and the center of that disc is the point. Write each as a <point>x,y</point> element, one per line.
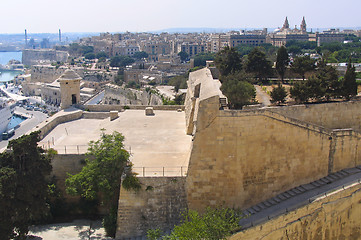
<point>5,57</point>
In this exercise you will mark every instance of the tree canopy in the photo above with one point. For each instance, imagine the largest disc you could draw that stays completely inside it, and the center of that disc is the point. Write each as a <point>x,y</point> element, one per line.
<point>121,61</point>
<point>228,61</point>
<point>258,64</point>
<point>140,55</point>
<point>238,89</point>
<point>106,162</point>
<point>201,58</point>
<point>183,56</point>
<point>23,186</point>
<point>282,61</point>
<point>303,64</point>
<point>214,224</point>
<point>349,81</point>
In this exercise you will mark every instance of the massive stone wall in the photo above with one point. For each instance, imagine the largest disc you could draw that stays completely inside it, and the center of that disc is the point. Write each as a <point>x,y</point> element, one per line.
<point>46,73</point>
<point>158,204</point>
<point>336,216</point>
<point>240,158</point>
<point>66,163</point>
<point>126,96</point>
<point>335,115</point>
<point>46,56</point>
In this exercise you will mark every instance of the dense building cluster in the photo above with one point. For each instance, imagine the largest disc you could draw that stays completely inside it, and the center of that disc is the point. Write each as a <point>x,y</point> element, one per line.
<point>194,43</point>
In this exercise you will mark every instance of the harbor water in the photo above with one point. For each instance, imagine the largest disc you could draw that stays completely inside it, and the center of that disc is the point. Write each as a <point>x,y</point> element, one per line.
<point>5,57</point>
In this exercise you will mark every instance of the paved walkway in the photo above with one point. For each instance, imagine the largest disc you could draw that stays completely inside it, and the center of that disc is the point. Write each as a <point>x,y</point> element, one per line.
<point>76,230</point>
<point>299,196</point>
<point>262,97</point>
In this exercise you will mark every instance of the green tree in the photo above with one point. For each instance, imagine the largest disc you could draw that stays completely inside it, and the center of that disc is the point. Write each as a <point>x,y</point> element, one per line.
<point>101,55</point>
<point>23,186</point>
<point>302,65</point>
<point>140,55</point>
<point>349,85</point>
<point>121,61</point>
<point>89,55</point>
<point>328,80</point>
<point>228,61</point>
<point>201,58</point>
<point>300,92</point>
<point>106,162</point>
<point>282,62</point>
<point>258,64</point>
<point>279,94</point>
<point>214,224</point>
<point>238,90</point>
<point>183,56</point>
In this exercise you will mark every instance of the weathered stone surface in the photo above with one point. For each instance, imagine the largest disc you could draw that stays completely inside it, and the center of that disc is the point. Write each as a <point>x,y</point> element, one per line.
<point>159,204</point>
<point>336,216</point>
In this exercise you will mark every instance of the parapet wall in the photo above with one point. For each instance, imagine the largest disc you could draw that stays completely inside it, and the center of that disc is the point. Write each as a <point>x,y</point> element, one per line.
<point>120,108</point>
<point>337,115</point>
<point>49,124</point>
<point>335,216</point>
<point>159,204</point>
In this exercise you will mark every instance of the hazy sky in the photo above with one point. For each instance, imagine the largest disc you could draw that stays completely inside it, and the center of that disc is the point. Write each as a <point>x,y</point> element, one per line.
<point>47,16</point>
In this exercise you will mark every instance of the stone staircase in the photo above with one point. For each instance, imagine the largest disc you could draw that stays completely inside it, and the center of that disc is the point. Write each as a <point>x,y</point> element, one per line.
<point>298,196</point>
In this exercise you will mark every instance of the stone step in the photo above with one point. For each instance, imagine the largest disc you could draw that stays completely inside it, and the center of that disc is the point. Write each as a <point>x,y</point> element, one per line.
<point>246,212</point>
<point>268,203</point>
<point>291,192</point>
<point>252,211</point>
<point>315,184</point>
<point>286,195</point>
<point>336,174</point>
<point>276,199</point>
<point>295,190</point>
<point>352,170</point>
<point>320,182</point>
<point>343,172</point>
<point>282,197</point>
<point>303,188</point>
<point>331,178</point>
<point>262,205</point>
<point>256,208</point>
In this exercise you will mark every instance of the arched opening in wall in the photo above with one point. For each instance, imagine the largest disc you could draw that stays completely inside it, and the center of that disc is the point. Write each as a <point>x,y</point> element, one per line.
<point>73,99</point>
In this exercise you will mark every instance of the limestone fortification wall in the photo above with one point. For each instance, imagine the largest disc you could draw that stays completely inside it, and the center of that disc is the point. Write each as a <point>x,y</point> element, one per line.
<point>125,96</point>
<point>335,216</point>
<point>66,163</point>
<point>240,158</point>
<point>46,73</point>
<point>335,115</point>
<point>158,204</point>
<point>36,56</point>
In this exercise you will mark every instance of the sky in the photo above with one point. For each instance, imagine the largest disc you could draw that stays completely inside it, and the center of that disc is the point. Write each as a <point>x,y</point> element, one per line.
<point>48,16</point>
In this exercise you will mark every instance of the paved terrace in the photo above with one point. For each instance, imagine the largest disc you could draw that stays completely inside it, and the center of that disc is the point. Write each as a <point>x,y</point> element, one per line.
<point>158,144</point>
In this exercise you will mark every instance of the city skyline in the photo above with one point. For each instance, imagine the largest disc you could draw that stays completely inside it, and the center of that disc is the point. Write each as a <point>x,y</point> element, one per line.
<point>40,16</point>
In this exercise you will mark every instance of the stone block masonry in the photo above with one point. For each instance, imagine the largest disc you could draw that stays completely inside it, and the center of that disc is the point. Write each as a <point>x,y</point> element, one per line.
<point>240,158</point>
<point>159,204</point>
<point>335,216</point>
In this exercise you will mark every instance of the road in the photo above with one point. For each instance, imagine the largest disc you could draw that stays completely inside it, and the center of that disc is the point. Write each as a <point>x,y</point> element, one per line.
<point>35,117</point>
<point>97,99</point>
<point>262,97</point>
